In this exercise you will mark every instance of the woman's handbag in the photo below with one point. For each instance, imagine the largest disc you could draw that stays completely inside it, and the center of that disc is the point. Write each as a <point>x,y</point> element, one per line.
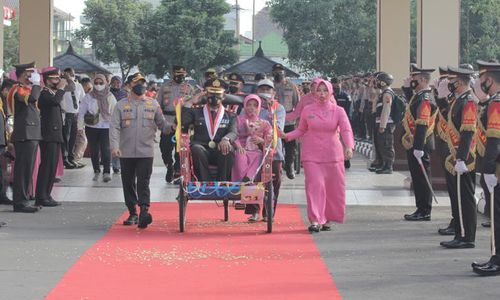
<point>90,118</point>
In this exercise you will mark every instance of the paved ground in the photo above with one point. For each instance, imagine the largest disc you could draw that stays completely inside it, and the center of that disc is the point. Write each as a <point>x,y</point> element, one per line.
<point>375,255</point>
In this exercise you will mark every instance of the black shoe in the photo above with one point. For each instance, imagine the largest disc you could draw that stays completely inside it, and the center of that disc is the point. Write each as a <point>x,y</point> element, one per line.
<point>476,264</point>
<point>290,172</point>
<point>326,228</point>
<point>458,244</point>
<point>169,177</point>
<point>26,208</point>
<point>68,165</point>
<point>47,203</point>
<point>5,201</point>
<point>486,224</point>
<point>145,218</point>
<point>57,180</point>
<point>489,269</point>
<point>418,216</point>
<point>384,171</point>
<point>116,171</point>
<point>447,231</point>
<point>2,224</point>
<point>347,164</point>
<point>77,164</point>
<point>314,228</point>
<point>131,220</point>
<point>374,168</point>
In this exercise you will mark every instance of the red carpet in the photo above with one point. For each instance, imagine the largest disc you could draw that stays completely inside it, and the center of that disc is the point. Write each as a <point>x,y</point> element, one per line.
<point>211,260</point>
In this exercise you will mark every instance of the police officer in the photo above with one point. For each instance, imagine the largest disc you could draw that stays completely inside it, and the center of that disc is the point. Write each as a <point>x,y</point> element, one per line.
<point>131,133</point>
<point>52,134</point>
<point>384,125</point>
<point>344,101</point>
<point>214,132</point>
<point>210,73</point>
<point>167,95</point>
<point>288,96</point>
<point>236,84</point>
<point>462,122</point>
<point>27,132</point>
<point>418,140</point>
<point>4,139</point>
<point>490,120</point>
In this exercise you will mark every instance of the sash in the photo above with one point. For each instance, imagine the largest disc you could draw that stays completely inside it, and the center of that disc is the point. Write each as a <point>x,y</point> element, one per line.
<point>453,142</point>
<point>442,127</point>
<point>409,126</point>
<point>481,138</point>
<point>213,125</point>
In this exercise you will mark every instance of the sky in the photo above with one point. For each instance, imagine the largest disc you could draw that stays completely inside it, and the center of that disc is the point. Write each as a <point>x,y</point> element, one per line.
<point>75,8</point>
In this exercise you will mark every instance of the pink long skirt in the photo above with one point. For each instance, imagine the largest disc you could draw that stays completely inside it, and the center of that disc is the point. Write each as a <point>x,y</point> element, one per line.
<point>325,191</point>
<point>245,165</point>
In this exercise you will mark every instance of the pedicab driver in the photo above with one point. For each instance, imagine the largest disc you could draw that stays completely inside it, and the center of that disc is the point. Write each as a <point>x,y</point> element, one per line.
<point>214,132</point>
<point>133,129</point>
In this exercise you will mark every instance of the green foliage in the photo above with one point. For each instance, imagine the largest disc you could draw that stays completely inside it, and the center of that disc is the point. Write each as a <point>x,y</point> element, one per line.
<point>115,31</point>
<point>188,33</point>
<point>11,44</point>
<point>328,36</point>
<point>480,30</point>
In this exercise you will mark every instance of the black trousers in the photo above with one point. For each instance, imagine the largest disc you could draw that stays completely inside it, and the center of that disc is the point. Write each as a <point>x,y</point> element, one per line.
<point>290,147</point>
<point>166,148</point>
<point>98,139</point>
<point>423,196</point>
<point>203,156</point>
<point>385,145</point>
<point>136,173</point>
<point>497,219</point>
<point>69,135</point>
<point>23,171</point>
<point>277,169</point>
<point>487,196</point>
<point>469,207</point>
<point>49,157</point>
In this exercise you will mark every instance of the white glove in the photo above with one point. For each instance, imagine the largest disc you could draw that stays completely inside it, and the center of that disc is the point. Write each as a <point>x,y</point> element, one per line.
<point>460,167</point>
<point>35,78</point>
<point>478,91</point>
<point>442,89</point>
<point>418,154</point>
<point>491,181</point>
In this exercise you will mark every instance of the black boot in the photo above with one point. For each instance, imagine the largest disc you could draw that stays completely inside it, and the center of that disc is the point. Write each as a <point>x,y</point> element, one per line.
<point>290,172</point>
<point>145,218</point>
<point>170,174</point>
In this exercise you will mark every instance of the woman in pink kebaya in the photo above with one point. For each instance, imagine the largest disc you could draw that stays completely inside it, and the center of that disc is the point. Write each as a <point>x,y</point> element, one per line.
<point>323,156</point>
<point>253,132</point>
<point>304,101</point>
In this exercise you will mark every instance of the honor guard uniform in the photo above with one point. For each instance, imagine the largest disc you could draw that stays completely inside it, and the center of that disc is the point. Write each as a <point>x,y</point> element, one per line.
<point>214,132</point>
<point>27,133</point>
<point>489,150</point>
<point>52,134</point>
<point>418,140</point>
<point>461,161</point>
<point>168,94</point>
<point>443,99</point>
<point>132,131</point>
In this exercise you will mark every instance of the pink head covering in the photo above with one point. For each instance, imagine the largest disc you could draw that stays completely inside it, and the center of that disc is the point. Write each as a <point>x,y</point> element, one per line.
<point>314,84</point>
<point>330,91</point>
<point>253,116</point>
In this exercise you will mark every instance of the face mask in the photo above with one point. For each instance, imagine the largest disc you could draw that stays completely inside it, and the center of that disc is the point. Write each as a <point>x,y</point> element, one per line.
<point>114,89</point>
<point>452,87</point>
<point>139,90</point>
<point>485,88</point>
<point>233,89</point>
<point>414,84</point>
<point>336,91</point>
<point>73,78</point>
<point>265,96</point>
<point>213,101</point>
<point>179,79</point>
<point>278,77</point>
<point>99,87</point>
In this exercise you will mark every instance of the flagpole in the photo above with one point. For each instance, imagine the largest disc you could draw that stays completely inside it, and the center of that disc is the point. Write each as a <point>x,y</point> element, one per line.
<point>253,27</point>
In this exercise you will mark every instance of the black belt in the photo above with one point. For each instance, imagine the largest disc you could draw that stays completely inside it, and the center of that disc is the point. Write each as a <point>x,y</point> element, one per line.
<point>169,113</point>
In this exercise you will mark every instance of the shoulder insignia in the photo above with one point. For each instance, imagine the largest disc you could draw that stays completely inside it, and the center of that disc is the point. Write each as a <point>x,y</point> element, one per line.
<point>493,127</point>
<point>469,117</point>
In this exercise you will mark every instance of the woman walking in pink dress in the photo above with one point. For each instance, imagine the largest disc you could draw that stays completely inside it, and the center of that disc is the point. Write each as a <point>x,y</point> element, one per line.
<point>323,156</point>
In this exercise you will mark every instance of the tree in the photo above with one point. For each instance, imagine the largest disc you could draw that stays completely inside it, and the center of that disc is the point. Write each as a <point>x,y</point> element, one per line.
<point>188,33</point>
<point>115,29</point>
<point>11,44</point>
<point>328,36</point>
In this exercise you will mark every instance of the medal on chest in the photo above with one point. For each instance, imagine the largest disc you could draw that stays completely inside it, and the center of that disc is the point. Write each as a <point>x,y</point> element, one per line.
<point>213,124</point>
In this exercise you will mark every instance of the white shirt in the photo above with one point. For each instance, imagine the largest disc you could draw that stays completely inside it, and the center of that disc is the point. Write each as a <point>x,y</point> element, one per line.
<point>67,103</point>
<point>89,104</point>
